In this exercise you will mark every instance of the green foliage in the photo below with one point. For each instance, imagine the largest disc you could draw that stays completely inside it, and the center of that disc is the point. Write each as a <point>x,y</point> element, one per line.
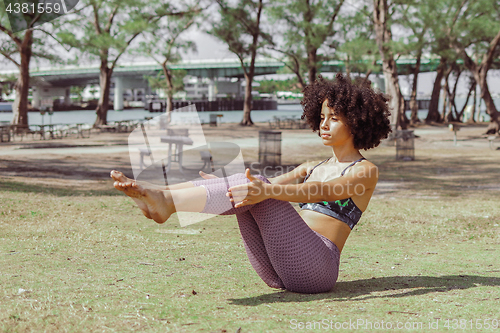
<point>78,90</point>
<point>113,26</point>
<point>159,81</point>
<point>305,27</point>
<point>238,27</point>
<point>163,42</point>
<point>272,86</point>
<point>4,19</point>
<point>356,45</point>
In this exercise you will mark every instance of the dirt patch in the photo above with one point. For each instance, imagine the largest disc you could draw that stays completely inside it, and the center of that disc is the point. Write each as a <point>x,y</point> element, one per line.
<point>440,165</point>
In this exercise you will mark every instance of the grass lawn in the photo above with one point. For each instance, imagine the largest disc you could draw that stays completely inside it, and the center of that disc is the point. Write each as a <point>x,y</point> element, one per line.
<point>425,256</point>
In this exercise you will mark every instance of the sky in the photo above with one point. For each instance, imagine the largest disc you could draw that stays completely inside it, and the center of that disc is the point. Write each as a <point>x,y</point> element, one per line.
<point>209,47</point>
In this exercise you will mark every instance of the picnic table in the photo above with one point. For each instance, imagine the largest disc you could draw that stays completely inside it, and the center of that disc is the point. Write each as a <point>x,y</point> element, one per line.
<point>176,142</point>
<point>55,131</point>
<point>287,122</point>
<point>120,125</point>
<point>82,130</point>
<point>21,130</point>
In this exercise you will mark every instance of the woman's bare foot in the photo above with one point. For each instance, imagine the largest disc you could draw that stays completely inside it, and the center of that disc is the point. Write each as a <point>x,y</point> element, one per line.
<point>120,178</point>
<point>157,204</point>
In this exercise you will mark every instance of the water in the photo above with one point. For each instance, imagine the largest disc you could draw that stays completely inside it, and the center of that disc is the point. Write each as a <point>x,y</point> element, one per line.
<point>88,117</point>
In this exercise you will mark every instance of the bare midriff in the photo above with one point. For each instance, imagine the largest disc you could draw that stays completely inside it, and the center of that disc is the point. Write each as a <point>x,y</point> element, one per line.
<point>333,229</point>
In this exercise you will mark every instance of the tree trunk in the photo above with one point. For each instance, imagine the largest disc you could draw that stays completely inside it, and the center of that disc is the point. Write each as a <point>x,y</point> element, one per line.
<point>494,125</point>
<point>347,67</point>
<point>413,99</point>
<point>480,73</point>
<point>20,106</point>
<point>460,115</point>
<point>433,114</point>
<point>170,88</point>
<point>491,110</point>
<point>453,94</point>
<point>311,64</point>
<point>446,91</point>
<point>247,105</point>
<point>105,84</point>
<point>383,38</point>
<point>472,117</point>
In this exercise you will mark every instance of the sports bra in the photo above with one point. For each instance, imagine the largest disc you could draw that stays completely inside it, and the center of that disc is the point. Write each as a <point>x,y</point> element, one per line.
<point>344,210</point>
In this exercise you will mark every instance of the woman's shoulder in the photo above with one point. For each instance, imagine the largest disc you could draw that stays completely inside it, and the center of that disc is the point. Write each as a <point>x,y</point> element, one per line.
<point>365,169</point>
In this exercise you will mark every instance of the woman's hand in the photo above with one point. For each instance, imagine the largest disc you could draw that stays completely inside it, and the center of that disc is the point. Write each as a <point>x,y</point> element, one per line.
<point>207,175</point>
<point>248,194</point>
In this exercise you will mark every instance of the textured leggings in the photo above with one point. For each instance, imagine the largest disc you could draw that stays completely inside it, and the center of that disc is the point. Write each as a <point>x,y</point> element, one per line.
<point>281,247</point>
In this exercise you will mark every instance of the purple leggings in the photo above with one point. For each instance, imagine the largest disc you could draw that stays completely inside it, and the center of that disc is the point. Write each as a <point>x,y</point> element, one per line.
<point>281,247</point>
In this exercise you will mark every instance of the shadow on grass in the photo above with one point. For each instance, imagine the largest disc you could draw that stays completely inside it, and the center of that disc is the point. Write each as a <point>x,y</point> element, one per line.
<point>390,286</point>
<point>445,175</point>
<point>83,167</point>
<point>20,187</point>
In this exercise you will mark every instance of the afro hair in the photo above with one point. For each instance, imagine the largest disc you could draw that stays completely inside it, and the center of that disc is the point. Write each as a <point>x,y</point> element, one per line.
<point>365,110</point>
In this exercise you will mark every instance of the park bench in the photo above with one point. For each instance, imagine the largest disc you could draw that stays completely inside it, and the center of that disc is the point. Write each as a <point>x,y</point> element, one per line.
<point>4,133</point>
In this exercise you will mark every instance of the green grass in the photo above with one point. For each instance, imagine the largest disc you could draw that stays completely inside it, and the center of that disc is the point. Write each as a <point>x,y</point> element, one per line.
<point>75,262</point>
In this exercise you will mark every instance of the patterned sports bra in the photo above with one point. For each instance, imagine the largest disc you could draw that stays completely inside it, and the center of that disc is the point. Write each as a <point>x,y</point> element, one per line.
<point>344,210</point>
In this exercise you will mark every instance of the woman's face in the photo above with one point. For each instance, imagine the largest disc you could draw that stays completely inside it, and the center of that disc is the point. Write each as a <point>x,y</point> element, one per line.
<point>332,127</point>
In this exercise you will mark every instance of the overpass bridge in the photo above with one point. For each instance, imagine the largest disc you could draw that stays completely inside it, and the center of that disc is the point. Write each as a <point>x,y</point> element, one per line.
<point>49,82</point>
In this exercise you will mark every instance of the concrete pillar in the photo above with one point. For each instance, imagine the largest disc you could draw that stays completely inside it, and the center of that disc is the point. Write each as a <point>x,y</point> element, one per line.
<point>67,97</point>
<point>212,90</point>
<point>147,92</point>
<point>36,96</point>
<point>118,98</point>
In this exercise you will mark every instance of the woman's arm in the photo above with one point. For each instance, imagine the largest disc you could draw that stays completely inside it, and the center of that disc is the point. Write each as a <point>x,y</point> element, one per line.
<point>296,176</point>
<point>362,178</point>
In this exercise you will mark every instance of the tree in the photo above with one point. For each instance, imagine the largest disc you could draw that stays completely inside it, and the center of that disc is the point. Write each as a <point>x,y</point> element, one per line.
<point>433,113</point>
<point>382,11</point>
<point>356,43</point>
<point>478,25</point>
<point>104,30</point>
<point>240,27</point>
<point>19,47</point>
<point>418,17</point>
<point>162,42</point>
<point>306,25</point>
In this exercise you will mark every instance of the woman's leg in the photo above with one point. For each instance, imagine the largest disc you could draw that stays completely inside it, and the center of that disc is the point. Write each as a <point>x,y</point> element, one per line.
<point>284,251</point>
<point>281,247</point>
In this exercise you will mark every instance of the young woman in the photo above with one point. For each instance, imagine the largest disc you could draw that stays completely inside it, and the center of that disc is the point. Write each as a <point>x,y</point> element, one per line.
<point>297,251</point>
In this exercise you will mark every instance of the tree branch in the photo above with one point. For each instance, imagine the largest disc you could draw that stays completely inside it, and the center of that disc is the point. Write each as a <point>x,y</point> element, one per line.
<point>57,40</point>
<point>113,64</point>
<point>10,58</point>
<point>334,16</point>
<point>110,19</point>
<point>488,57</point>
<point>242,64</point>
<point>96,19</point>
<point>16,39</point>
